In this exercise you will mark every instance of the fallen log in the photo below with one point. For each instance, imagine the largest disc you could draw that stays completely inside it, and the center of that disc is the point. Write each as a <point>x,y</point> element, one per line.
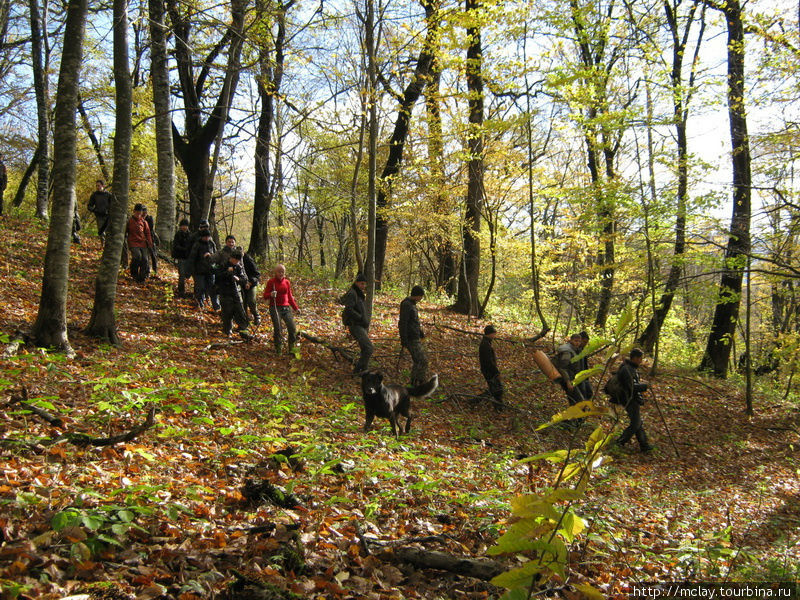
<point>39,412</point>
<point>82,439</point>
<point>346,354</point>
<point>471,567</point>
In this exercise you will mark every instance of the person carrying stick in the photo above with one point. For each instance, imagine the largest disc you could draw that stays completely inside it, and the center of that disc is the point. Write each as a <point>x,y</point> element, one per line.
<point>278,293</point>
<point>631,398</point>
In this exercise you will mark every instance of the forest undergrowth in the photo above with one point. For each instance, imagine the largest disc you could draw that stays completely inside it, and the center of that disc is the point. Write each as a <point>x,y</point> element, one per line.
<point>256,469</point>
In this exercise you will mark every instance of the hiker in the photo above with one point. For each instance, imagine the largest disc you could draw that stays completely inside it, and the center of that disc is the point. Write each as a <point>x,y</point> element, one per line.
<point>76,225</point>
<point>100,205</point>
<point>181,247</point>
<point>629,395</point>
<point>568,369</point>
<point>278,293</point>
<point>411,335</point>
<point>200,257</point>
<point>153,253</point>
<point>229,280</point>
<point>3,182</point>
<point>221,257</point>
<point>139,241</point>
<point>249,294</point>
<point>488,361</point>
<point>201,227</point>
<point>354,316</point>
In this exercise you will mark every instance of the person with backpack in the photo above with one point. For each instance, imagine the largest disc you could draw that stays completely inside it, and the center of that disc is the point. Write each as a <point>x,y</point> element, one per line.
<point>278,293</point>
<point>568,367</point>
<point>625,389</point>
<point>489,370</point>
<point>354,317</point>
<point>411,335</point>
<point>181,247</point>
<point>230,278</point>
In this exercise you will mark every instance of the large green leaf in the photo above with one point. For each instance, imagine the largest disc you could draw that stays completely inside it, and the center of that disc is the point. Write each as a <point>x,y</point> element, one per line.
<point>587,408</point>
<point>521,577</point>
<point>586,373</point>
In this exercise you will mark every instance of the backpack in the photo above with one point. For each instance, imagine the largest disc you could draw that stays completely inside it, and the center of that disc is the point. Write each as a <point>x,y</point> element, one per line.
<point>614,389</point>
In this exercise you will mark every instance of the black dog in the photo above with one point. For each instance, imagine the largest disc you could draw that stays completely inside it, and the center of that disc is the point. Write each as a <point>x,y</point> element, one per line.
<point>391,401</point>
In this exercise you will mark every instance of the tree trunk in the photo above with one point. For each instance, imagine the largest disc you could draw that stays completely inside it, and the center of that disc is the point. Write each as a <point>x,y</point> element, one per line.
<point>165,223</point>
<point>372,102</point>
<point>421,77</point>
<point>103,323</point>
<point>19,195</point>
<point>726,313</point>
<point>50,328</point>
<point>467,301</point>
<point>98,150</point>
<point>193,147</point>
<point>680,114</point>
<point>41,88</point>
<point>269,83</point>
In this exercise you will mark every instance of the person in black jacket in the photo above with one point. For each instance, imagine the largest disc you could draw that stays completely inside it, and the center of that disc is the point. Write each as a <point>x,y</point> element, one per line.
<point>3,182</point>
<point>354,316</point>
<point>200,256</point>
<point>411,335</point>
<point>100,205</point>
<point>632,400</point>
<point>154,248</point>
<point>181,247</point>
<point>230,280</point>
<point>253,279</point>
<point>489,369</point>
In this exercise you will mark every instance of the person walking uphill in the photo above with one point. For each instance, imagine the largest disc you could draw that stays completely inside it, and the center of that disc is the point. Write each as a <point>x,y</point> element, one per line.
<point>278,293</point>
<point>100,205</point>
<point>181,247</point>
<point>411,335</point>
<point>630,396</point>
<point>354,316</point>
<point>489,370</point>
<point>140,241</point>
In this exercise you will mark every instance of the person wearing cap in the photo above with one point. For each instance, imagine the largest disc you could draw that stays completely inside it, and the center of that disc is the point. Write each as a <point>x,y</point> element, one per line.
<point>203,225</point>
<point>489,370</point>
<point>230,281</point>
<point>139,241</point>
<point>201,256</point>
<point>411,335</point>
<point>278,293</point>
<point>633,400</point>
<point>354,316</point>
<point>100,205</point>
<point>181,246</point>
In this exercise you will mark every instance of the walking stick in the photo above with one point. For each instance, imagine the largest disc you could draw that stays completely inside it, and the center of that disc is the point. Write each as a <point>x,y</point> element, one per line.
<point>664,421</point>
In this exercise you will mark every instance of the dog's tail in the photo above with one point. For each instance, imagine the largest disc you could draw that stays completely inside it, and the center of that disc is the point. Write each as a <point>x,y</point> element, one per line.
<point>424,390</point>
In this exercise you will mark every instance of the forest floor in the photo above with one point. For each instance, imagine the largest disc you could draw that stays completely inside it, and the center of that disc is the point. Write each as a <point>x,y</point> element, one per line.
<point>165,515</point>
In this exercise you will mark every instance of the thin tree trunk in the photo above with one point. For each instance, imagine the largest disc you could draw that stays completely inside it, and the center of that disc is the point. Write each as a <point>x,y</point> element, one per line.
<point>726,313</point>
<point>354,187</point>
<point>372,102</point>
<point>103,323</point>
<point>50,328</point>
<point>421,77</point>
<point>98,150</point>
<point>165,223</point>
<point>19,196</point>
<point>467,299</point>
<point>41,88</point>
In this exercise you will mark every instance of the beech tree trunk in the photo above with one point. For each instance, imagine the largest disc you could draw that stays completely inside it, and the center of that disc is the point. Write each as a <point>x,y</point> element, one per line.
<point>50,328</point>
<point>726,313</point>
<point>103,323</point>
<point>41,89</point>
<point>467,301</point>
<point>421,77</point>
<point>165,219</point>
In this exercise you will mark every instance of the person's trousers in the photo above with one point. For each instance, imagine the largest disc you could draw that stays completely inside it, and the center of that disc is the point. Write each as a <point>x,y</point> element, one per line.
<point>635,427</point>
<point>360,335</point>
<point>496,390</point>
<point>184,273</point>
<point>204,290</point>
<point>285,314</point>
<point>102,225</point>
<point>251,304</point>
<point>140,263</point>
<point>232,310</point>
<point>419,368</point>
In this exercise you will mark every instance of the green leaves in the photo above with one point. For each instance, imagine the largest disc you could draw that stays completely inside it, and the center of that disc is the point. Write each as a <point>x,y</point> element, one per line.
<point>580,410</point>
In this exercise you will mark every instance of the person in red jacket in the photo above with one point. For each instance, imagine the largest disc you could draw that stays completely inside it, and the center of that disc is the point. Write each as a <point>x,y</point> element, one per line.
<point>281,304</point>
<point>140,241</point>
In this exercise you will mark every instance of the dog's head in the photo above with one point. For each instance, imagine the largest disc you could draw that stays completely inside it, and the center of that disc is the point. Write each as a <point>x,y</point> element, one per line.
<point>371,382</point>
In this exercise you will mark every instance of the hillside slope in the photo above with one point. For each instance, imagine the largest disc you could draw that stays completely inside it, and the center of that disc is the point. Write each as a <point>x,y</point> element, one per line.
<point>165,514</point>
